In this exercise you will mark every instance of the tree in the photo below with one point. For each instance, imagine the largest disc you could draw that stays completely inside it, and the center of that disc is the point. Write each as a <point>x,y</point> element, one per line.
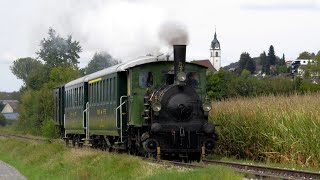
<point>305,55</point>
<point>217,84</point>
<point>263,61</point>
<point>282,61</point>
<point>246,62</point>
<point>22,68</point>
<point>100,61</point>
<point>271,56</point>
<point>60,75</point>
<point>251,65</point>
<point>57,51</point>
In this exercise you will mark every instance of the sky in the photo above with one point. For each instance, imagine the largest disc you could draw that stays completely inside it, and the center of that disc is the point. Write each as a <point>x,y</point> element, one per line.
<point>130,28</point>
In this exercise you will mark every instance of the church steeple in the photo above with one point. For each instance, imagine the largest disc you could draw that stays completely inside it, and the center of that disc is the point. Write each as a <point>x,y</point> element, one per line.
<point>215,52</point>
<point>215,44</point>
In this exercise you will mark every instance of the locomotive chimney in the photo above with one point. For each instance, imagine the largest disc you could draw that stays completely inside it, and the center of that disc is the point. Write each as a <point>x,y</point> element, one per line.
<point>179,56</point>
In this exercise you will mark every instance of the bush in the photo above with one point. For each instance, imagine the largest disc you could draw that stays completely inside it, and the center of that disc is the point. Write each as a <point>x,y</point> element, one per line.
<point>48,129</point>
<point>3,121</point>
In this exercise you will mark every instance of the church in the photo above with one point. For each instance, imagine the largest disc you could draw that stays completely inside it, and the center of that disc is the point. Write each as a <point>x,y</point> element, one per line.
<point>214,62</point>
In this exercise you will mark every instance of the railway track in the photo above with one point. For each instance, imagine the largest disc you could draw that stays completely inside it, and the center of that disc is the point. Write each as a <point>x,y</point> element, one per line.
<point>265,171</point>
<point>257,171</point>
<point>261,172</point>
<point>21,137</point>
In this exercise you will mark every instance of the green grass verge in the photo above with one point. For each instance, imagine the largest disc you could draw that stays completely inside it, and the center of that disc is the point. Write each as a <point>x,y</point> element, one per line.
<point>55,161</point>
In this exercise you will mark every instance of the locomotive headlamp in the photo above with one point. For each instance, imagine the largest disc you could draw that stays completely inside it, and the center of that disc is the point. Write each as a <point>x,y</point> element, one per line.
<point>206,106</point>
<point>181,76</point>
<point>156,106</point>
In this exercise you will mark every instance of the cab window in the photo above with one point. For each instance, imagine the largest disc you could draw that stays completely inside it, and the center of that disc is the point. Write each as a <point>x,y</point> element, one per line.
<point>193,79</point>
<point>145,79</point>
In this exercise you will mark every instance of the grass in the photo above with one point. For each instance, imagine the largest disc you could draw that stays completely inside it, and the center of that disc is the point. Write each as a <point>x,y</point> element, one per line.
<point>55,161</point>
<point>273,129</point>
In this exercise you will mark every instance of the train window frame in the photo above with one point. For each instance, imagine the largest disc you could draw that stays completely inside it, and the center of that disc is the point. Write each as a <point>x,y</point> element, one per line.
<point>197,80</point>
<point>74,98</point>
<point>95,93</point>
<point>99,92</point>
<point>107,89</point>
<point>104,90</point>
<point>114,89</point>
<point>71,98</point>
<point>146,79</point>
<point>89,93</point>
<point>111,90</point>
<point>77,96</point>
<point>81,103</point>
<point>92,93</point>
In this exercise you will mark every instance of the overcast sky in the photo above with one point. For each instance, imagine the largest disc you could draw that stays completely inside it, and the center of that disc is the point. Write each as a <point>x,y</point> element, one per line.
<point>129,28</point>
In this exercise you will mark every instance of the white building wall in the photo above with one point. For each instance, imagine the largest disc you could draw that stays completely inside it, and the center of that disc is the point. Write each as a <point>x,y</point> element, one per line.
<point>7,109</point>
<point>215,58</point>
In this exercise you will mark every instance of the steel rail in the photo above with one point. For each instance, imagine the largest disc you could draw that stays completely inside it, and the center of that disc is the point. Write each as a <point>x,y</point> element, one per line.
<point>21,137</point>
<point>266,171</point>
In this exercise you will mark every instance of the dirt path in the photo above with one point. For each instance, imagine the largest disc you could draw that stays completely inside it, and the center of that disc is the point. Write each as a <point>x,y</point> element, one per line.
<point>8,172</point>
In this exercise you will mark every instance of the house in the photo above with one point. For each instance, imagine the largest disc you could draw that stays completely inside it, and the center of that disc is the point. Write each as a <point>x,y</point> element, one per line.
<point>9,108</point>
<point>205,63</point>
<point>296,66</point>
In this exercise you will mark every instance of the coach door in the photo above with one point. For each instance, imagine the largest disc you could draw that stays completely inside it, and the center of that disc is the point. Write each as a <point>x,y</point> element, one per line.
<point>122,102</point>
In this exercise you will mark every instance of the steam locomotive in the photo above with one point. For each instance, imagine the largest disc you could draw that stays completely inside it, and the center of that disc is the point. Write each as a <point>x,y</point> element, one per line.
<point>147,106</point>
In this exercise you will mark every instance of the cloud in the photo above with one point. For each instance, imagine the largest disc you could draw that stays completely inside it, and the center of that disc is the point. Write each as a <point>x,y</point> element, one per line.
<point>293,5</point>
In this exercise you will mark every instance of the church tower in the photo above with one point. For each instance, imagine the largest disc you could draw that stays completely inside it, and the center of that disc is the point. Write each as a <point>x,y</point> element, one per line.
<point>215,53</point>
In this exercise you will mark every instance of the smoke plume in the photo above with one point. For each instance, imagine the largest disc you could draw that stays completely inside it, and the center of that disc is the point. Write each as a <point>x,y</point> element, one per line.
<point>173,33</point>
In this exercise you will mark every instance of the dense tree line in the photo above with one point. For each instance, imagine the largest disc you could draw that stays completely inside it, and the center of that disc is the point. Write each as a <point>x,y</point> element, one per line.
<point>224,84</point>
<point>270,63</point>
<point>57,63</point>
<point>15,95</point>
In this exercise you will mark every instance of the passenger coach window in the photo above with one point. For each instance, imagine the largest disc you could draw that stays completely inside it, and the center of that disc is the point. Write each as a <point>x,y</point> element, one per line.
<point>114,88</point>
<point>193,79</point>
<point>145,79</point>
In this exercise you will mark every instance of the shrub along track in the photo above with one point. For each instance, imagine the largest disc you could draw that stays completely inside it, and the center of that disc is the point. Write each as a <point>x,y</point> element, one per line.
<point>248,169</point>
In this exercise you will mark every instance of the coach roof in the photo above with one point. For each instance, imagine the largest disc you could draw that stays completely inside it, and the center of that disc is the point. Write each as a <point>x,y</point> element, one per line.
<point>116,68</point>
<point>113,69</point>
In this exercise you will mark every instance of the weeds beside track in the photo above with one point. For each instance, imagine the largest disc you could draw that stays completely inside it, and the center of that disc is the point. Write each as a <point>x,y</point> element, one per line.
<point>276,129</point>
